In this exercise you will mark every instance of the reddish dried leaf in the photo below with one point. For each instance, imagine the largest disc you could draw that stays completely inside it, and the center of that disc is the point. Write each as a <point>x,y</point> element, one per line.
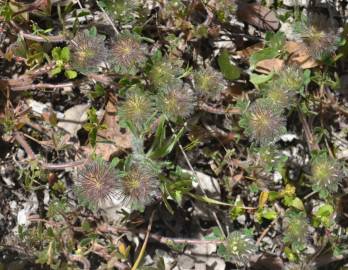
<point>299,55</point>
<point>248,51</point>
<point>268,65</point>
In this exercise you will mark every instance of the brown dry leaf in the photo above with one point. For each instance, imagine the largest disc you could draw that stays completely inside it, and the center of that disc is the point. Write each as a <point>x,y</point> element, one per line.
<point>268,65</point>
<point>299,55</point>
<point>258,16</point>
<point>248,51</point>
<point>110,141</point>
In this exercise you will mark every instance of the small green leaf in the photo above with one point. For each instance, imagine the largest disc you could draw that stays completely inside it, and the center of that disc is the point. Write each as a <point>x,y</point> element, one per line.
<point>70,74</point>
<point>56,53</point>
<point>269,214</point>
<point>267,53</point>
<point>257,79</point>
<point>297,203</point>
<point>230,71</point>
<point>56,71</point>
<point>65,54</point>
<point>99,91</point>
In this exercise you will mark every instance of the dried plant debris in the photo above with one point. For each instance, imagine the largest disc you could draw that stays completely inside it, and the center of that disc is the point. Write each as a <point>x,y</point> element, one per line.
<point>173,134</point>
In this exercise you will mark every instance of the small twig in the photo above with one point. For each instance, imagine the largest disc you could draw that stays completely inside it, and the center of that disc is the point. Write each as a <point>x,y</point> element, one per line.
<point>41,86</point>
<point>109,19</point>
<point>78,258</point>
<point>309,195</point>
<point>62,166</point>
<point>312,144</point>
<point>48,166</point>
<point>265,231</point>
<point>21,140</point>
<point>143,248</point>
<point>105,228</point>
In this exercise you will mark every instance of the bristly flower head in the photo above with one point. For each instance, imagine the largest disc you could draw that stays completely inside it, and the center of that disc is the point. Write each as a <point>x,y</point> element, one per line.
<point>127,53</point>
<point>164,72</point>
<point>139,185</point>
<point>87,52</point>
<point>291,78</point>
<point>320,35</point>
<point>208,82</point>
<point>96,183</point>
<point>137,108</point>
<point>176,100</point>
<point>279,94</point>
<point>239,247</point>
<point>296,230</point>
<point>263,121</point>
<point>326,174</point>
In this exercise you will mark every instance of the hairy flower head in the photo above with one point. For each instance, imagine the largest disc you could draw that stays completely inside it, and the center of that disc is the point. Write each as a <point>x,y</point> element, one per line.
<point>208,82</point>
<point>239,247</point>
<point>96,183</point>
<point>165,72</point>
<point>291,78</point>
<point>87,51</point>
<point>127,53</point>
<point>137,108</point>
<point>279,94</point>
<point>326,173</point>
<point>139,185</point>
<point>320,35</point>
<point>295,230</point>
<point>176,100</point>
<point>263,121</point>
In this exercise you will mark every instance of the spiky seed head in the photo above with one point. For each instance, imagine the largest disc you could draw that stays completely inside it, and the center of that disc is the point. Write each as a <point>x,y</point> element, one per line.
<point>139,185</point>
<point>320,35</point>
<point>326,173</point>
<point>96,183</point>
<point>87,52</point>
<point>127,53</point>
<point>279,94</point>
<point>291,78</point>
<point>208,82</point>
<point>295,229</point>
<point>177,100</point>
<point>165,72</point>
<point>263,121</point>
<point>239,247</point>
<point>137,108</point>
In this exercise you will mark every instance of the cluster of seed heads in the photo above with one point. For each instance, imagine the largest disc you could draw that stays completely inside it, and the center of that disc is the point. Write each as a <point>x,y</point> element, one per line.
<point>176,100</point>
<point>239,247</point>
<point>295,229</point>
<point>98,182</point>
<point>128,53</point>
<point>137,108</point>
<point>208,82</point>
<point>139,185</point>
<point>326,173</point>
<point>263,121</point>
<point>320,35</point>
<point>87,51</point>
